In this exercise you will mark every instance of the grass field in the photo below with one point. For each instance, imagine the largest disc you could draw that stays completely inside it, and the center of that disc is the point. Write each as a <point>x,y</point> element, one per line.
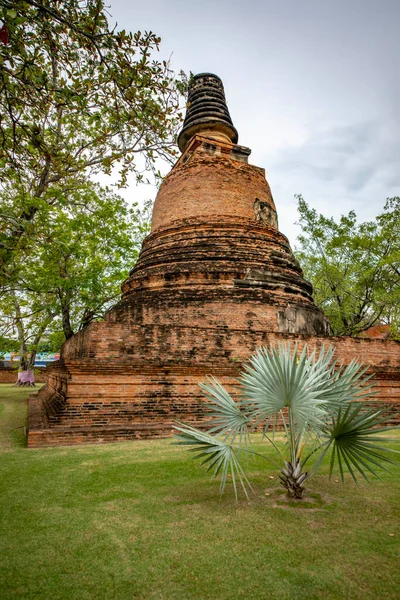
<point>141,520</point>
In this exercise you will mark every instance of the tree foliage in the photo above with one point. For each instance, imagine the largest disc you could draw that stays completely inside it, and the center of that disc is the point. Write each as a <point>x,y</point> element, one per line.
<point>354,267</point>
<point>320,405</point>
<point>25,317</point>
<point>72,270</point>
<point>85,254</point>
<point>77,98</point>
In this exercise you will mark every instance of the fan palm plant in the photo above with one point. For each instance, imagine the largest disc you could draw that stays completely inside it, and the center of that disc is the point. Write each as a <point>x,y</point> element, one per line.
<point>319,404</point>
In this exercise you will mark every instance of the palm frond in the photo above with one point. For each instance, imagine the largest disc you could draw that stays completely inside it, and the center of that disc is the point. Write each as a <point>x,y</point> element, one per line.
<point>346,384</point>
<point>227,418</point>
<point>279,378</point>
<point>221,456</point>
<point>352,434</point>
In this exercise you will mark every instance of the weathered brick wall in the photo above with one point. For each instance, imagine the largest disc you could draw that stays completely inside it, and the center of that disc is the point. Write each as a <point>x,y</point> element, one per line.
<point>95,399</point>
<point>162,344</point>
<point>8,375</point>
<point>207,183</point>
<point>216,253</point>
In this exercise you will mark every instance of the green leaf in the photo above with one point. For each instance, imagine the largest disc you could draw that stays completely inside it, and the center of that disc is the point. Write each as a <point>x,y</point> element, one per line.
<point>227,418</point>
<point>350,433</point>
<point>276,379</point>
<point>221,456</point>
<point>354,268</point>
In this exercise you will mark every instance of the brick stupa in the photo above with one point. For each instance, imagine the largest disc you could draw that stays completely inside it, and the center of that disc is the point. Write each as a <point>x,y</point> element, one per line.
<point>215,280</point>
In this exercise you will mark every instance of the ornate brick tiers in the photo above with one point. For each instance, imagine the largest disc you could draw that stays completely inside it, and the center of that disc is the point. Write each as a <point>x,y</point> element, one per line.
<point>207,111</point>
<point>212,256</point>
<point>215,279</point>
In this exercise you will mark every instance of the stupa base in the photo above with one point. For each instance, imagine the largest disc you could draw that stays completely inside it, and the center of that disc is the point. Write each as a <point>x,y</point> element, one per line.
<point>90,401</point>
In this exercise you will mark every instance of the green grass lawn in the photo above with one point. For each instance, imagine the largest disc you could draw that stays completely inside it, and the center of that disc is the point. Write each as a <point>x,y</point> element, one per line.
<point>142,520</point>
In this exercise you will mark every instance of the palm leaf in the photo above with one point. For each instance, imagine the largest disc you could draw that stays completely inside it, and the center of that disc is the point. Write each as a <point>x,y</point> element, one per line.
<point>278,378</point>
<point>221,456</point>
<point>345,385</point>
<point>227,418</point>
<point>352,434</point>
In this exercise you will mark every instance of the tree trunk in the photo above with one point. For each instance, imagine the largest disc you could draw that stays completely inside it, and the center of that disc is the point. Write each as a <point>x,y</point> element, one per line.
<point>292,480</point>
<point>65,314</point>
<point>25,375</point>
<point>66,323</point>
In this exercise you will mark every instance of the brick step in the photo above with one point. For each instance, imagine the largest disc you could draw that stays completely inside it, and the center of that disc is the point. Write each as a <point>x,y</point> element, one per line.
<point>64,436</point>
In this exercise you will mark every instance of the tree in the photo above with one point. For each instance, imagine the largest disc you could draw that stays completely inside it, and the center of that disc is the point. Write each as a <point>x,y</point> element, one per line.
<point>7,344</point>
<point>77,97</point>
<point>319,404</point>
<point>52,341</point>
<point>85,255</point>
<point>354,268</point>
<point>72,271</point>
<point>28,315</point>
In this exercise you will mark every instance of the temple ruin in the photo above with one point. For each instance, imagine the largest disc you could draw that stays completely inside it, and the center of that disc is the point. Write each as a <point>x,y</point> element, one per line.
<point>215,280</point>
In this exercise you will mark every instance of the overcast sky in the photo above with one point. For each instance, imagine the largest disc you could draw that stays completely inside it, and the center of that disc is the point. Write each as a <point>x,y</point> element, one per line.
<point>313,88</point>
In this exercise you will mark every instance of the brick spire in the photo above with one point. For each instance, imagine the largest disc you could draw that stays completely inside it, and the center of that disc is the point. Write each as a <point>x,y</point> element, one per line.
<point>207,112</point>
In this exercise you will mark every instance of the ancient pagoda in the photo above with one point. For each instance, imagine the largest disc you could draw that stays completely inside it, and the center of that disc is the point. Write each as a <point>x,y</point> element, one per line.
<point>215,280</point>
